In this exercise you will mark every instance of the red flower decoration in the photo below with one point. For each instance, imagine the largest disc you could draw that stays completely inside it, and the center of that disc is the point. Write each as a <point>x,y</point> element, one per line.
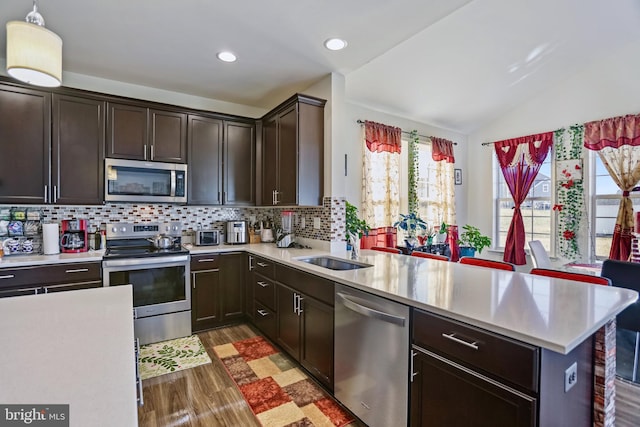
<point>568,184</point>
<point>557,207</point>
<point>578,167</point>
<point>568,234</point>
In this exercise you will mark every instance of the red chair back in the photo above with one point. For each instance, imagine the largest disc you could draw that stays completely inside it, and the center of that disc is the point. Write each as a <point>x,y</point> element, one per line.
<point>429,256</point>
<point>480,262</point>
<point>578,277</point>
<point>384,249</point>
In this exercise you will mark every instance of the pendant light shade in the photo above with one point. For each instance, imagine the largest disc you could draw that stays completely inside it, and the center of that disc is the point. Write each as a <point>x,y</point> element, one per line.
<point>34,54</point>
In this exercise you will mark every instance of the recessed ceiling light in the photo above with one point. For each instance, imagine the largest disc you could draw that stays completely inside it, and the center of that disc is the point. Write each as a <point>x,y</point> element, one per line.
<point>335,44</point>
<point>226,56</point>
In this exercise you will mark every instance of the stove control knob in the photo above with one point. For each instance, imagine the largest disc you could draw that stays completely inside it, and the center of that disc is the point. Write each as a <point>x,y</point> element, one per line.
<point>175,228</point>
<point>123,229</point>
<point>114,229</point>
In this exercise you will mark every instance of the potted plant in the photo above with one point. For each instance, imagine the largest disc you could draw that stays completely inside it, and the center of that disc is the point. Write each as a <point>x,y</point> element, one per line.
<point>355,227</point>
<point>441,233</point>
<point>410,224</point>
<point>471,240</point>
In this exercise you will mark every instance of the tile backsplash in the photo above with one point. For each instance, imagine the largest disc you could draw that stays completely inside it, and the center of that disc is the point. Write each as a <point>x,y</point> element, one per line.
<point>331,214</point>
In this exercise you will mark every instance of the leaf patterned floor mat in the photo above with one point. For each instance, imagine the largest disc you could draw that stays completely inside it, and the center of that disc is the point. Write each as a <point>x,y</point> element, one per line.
<point>170,356</point>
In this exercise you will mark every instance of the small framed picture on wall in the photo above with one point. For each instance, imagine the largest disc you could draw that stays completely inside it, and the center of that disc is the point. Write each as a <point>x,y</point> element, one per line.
<point>457,176</point>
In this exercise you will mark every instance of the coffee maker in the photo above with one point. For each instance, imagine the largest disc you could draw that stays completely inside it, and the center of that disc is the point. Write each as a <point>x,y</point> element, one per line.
<point>73,235</point>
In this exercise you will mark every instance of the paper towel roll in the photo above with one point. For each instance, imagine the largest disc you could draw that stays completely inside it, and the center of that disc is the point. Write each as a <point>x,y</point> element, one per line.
<point>51,238</point>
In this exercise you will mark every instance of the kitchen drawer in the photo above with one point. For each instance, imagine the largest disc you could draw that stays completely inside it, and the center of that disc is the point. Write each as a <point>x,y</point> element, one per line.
<point>204,262</point>
<point>262,266</point>
<point>50,274</point>
<point>264,291</point>
<point>265,320</point>
<point>317,287</point>
<point>511,361</point>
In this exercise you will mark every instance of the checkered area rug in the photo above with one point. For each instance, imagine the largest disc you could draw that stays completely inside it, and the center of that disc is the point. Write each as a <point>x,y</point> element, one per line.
<point>278,393</point>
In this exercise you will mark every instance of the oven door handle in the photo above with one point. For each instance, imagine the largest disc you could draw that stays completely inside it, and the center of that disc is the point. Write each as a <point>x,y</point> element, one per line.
<point>145,262</point>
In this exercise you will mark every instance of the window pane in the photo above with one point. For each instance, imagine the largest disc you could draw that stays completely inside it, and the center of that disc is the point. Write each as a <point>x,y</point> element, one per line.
<point>536,208</point>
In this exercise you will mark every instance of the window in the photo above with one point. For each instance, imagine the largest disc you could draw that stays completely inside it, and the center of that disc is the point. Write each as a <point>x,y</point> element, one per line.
<point>536,208</point>
<point>435,190</point>
<point>605,202</point>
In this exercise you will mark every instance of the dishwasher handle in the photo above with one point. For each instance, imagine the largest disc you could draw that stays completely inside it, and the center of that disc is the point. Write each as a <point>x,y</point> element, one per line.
<point>370,312</point>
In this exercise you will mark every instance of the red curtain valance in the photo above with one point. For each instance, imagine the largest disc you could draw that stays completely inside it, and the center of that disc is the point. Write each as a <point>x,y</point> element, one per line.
<point>380,138</point>
<point>538,147</point>
<point>442,149</point>
<point>613,132</point>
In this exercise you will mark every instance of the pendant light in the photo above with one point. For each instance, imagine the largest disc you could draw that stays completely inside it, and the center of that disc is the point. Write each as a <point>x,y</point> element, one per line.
<point>34,54</point>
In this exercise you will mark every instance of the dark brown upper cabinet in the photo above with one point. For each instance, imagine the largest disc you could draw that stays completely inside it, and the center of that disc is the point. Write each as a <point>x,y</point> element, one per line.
<point>222,162</point>
<point>25,137</point>
<point>140,133</point>
<point>77,155</point>
<point>293,153</point>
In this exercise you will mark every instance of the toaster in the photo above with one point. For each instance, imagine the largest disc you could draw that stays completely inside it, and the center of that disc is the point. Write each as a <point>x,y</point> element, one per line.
<point>207,238</point>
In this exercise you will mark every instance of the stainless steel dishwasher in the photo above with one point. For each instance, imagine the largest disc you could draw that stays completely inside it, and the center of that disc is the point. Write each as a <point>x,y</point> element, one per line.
<point>371,357</point>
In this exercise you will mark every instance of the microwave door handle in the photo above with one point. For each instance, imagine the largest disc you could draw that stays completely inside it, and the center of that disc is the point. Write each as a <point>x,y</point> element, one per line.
<point>173,183</point>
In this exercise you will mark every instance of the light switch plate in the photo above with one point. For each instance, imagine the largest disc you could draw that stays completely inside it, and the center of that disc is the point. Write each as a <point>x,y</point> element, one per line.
<point>316,223</point>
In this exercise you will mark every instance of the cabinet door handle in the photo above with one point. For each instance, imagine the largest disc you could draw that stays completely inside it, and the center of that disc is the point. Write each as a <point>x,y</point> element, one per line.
<point>7,276</point>
<point>46,193</point>
<point>263,284</point>
<point>263,313</point>
<point>262,264</point>
<point>453,338</point>
<point>206,260</point>
<point>219,197</point>
<point>251,267</point>
<point>55,194</point>
<point>145,151</point>
<point>152,151</point>
<point>295,303</point>
<point>413,373</point>
<point>77,270</point>
<point>300,298</point>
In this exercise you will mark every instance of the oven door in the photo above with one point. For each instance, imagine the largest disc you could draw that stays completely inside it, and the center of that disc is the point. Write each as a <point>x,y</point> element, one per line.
<point>160,284</point>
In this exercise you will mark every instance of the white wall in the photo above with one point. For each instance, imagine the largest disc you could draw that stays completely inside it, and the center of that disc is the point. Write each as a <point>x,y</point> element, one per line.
<point>608,88</point>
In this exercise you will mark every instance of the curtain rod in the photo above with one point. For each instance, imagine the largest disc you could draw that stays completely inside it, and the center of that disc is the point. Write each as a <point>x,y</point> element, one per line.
<point>361,122</point>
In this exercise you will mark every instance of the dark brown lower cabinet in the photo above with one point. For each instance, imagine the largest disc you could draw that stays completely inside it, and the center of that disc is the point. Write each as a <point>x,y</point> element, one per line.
<point>217,289</point>
<point>465,376</point>
<point>444,393</point>
<point>49,278</point>
<point>305,331</point>
<point>232,286</point>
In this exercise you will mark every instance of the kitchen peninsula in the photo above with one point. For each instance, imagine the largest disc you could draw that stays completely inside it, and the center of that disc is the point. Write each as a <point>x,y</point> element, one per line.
<point>533,325</point>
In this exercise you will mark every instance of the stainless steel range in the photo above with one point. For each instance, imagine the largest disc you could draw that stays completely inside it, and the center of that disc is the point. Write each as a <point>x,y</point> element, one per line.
<point>160,277</point>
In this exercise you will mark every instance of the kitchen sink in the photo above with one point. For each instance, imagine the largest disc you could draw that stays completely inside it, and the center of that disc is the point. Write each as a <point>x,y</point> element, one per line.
<point>334,263</point>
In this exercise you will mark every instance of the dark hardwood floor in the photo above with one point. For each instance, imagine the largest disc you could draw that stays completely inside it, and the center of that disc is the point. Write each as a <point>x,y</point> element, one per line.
<point>204,396</point>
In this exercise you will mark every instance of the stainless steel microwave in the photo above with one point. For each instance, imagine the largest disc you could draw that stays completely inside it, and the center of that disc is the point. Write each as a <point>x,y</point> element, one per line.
<point>140,181</point>
<point>207,238</point>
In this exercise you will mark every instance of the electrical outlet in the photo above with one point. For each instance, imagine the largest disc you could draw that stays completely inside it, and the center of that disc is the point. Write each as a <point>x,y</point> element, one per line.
<point>316,223</point>
<point>570,377</point>
<point>303,222</point>
<point>252,219</point>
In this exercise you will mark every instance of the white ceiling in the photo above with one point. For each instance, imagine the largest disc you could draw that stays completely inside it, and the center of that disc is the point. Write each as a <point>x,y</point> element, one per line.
<point>450,63</point>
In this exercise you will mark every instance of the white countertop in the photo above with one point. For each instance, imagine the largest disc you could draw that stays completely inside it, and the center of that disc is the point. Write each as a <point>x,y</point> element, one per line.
<point>550,313</point>
<point>73,348</point>
<point>12,261</point>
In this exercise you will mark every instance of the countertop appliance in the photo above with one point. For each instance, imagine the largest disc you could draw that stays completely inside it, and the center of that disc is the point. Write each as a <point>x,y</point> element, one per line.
<point>160,278</point>
<point>237,232</point>
<point>140,181</point>
<point>207,237</point>
<point>73,235</point>
<point>371,357</point>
